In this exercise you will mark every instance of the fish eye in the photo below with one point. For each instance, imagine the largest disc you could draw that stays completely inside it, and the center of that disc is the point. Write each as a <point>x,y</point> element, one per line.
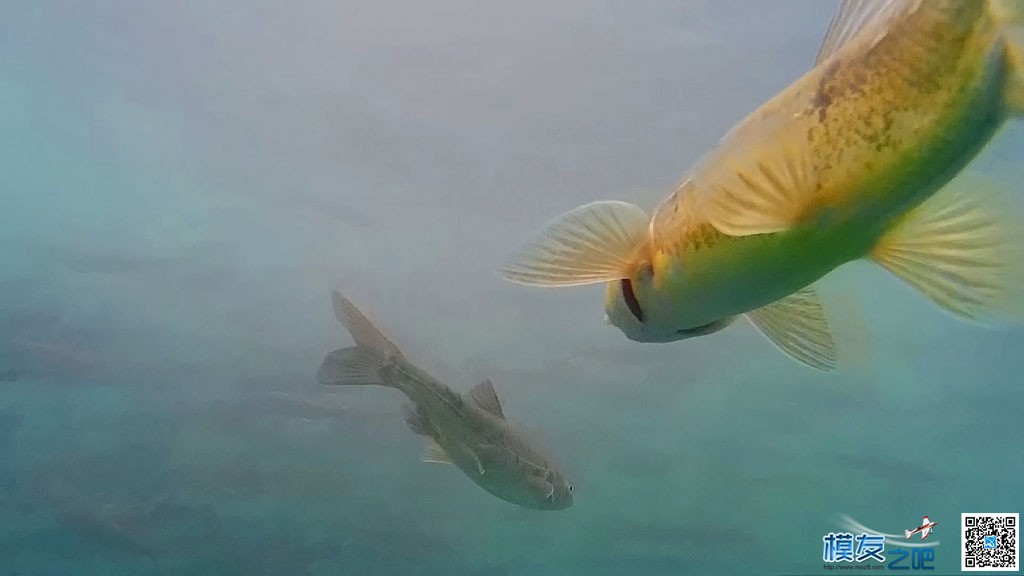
<point>569,488</point>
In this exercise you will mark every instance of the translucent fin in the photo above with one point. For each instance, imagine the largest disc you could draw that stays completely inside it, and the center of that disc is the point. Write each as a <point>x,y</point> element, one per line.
<point>416,421</point>
<point>759,190</point>
<point>797,325</point>
<point>1015,68</point>
<point>1010,15</point>
<point>484,396</point>
<point>434,453</point>
<point>594,243</point>
<point>851,17</point>
<point>841,302</point>
<point>362,330</point>
<point>963,248</point>
<point>479,464</point>
<point>539,485</point>
<point>354,366</point>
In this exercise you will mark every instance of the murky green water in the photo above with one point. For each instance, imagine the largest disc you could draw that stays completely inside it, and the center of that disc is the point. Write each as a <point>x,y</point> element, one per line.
<point>181,184</point>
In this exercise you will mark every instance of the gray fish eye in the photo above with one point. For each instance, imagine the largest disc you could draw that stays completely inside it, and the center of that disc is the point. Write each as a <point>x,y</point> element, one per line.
<point>569,488</point>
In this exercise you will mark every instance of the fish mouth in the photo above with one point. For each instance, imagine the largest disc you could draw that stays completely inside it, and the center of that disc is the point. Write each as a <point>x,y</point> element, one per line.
<point>704,329</point>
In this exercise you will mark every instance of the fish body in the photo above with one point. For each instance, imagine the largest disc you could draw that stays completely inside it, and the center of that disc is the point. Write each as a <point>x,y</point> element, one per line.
<point>853,160</point>
<point>469,431</point>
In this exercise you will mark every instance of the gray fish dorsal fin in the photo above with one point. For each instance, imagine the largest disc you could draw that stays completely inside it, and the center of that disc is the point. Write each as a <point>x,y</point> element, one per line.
<point>851,17</point>
<point>484,396</point>
<point>434,453</point>
<point>359,326</point>
<point>416,421</point>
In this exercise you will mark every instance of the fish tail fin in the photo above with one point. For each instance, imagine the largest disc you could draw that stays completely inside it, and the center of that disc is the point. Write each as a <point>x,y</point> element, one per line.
<point>964,249</point>
<point>591,244</point>
<point>359,326</point>
<point>362,364</point>
<point>1010,15</point>
<point>353,366</point>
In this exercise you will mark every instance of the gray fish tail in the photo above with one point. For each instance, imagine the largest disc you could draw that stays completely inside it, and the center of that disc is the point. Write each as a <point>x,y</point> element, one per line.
<point>362,364</point>
<point>359,326</point>
<point>353,366</point>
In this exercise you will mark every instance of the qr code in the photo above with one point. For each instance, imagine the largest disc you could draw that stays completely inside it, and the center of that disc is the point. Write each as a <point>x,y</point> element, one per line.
<point>990,542</point>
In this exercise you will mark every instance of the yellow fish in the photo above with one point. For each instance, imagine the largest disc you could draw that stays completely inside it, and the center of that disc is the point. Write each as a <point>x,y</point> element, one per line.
<point>850,161</point>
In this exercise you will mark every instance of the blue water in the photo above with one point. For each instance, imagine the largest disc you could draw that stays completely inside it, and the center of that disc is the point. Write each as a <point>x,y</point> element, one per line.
<point>183,183</point>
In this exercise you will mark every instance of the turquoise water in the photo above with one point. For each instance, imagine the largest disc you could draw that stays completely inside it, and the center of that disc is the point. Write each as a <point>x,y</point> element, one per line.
<point>182,184</point>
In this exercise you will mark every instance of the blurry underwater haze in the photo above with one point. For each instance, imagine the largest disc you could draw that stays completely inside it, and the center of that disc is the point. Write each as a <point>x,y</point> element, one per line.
<point>183,183</point>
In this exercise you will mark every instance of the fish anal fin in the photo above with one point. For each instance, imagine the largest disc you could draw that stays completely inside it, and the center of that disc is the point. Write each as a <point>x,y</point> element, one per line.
<point>484,396</point>
<point>963,248</point>
<point>593,243</point>
<point>798,326</point>
<point>434,453</point>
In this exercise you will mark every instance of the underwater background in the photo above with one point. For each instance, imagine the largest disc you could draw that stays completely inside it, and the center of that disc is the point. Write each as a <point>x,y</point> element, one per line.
<point>183,183</point>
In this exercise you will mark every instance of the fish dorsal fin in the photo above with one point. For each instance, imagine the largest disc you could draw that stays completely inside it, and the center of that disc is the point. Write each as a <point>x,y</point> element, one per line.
<point>484,396</point>
<point>435,454</point>
<point>359,326</point>
<point>851,17</point>
<point>964,249</point>
<point>797,325</point>
<point>593,243</point>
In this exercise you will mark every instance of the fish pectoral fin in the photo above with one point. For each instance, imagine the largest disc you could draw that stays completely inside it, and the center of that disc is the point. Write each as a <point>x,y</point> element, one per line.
<point>752,190</point>
<point>436,454</point>
<point>353,366</point>
<point>416,421</point>
<point>593,243</point>
<point>484,396</point>
<point>542,486</point>
<point>964,249</point>
<point>797,325</point>
<point>476,458</point>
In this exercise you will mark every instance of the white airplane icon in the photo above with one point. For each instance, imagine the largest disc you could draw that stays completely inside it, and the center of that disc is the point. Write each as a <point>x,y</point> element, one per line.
<point>925,528</point>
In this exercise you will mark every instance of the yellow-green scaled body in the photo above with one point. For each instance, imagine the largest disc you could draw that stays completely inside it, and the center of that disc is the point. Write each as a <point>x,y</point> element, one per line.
<point>850,161</point>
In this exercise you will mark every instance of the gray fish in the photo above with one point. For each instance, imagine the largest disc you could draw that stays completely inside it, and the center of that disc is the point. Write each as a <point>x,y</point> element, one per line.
<point>469,432</point>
